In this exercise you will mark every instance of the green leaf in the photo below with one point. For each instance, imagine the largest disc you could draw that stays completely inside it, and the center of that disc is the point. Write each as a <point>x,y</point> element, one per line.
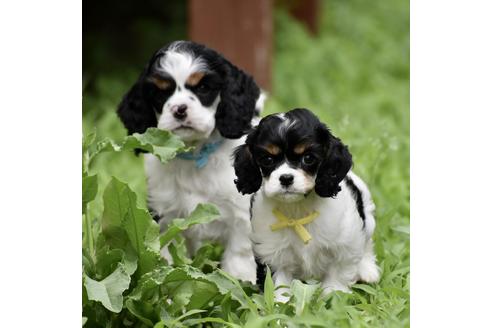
<point>148,285</point>
<point>368,289</point>
<point>403,229</point>
<point>178,253</point>
<point>117,199</point>
<point>268,292</point>
<point>195,322</point>
<point>89,190</point>
<point>163,144</point>
<point>109,259</point>
<point>254,320</point>
<point>109,291</point>
<point>203,256</point>
<point>203,213</point>
<point>227,284</point>
<point>303,295</point>
<point>144,311</point>
<point>123,222</point>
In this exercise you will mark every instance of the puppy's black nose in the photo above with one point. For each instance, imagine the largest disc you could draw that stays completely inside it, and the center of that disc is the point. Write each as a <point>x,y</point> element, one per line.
<point>179,112</point>
<point>286,179</point>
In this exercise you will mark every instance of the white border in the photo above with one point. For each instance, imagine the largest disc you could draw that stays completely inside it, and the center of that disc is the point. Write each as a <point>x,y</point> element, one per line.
<point>40,134</point>
<point>40,177</point>
<point>451,213</point>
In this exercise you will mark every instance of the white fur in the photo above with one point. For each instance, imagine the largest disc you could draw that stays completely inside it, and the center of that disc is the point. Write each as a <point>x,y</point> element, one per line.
<point>341,249</point>
<point>180,65</point>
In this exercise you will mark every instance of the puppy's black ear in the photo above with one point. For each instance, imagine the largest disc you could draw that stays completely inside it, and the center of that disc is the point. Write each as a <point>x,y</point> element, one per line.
<point>135,110</point>
<point>247,171</point>
<point>237,103</point>
<point>334,167</point>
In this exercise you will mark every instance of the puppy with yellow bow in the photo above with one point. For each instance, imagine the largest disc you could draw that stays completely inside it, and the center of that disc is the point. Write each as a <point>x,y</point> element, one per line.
<point>311,216</point>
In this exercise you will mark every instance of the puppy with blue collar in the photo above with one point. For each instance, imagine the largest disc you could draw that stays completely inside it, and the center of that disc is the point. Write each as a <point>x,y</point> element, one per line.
<point>311,216</point>
<point>197,94</point>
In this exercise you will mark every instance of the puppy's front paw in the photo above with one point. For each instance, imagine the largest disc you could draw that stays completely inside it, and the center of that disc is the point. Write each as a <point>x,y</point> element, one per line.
<point>330,287</point>
<point>368,271</point>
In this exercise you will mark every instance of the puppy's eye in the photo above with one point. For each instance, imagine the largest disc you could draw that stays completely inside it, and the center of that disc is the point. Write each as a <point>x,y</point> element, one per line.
<point>308,159</point>
<point>202,87</point>
<point>266,161</point>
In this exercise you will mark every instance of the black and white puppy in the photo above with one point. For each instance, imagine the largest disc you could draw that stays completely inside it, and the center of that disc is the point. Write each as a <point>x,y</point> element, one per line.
<point>197,94</point>
<point>313,218</point>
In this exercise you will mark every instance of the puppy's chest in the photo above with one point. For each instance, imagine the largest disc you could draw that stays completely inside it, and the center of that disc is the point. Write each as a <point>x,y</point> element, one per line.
<point>284,247</point>
<point>177,187</point>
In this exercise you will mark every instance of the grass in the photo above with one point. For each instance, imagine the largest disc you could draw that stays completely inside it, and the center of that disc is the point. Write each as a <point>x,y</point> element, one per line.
<point>354,76</point>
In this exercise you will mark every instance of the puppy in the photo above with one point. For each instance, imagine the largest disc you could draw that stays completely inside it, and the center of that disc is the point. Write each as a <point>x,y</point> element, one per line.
<point>197,94</point>
<point>313,218</point>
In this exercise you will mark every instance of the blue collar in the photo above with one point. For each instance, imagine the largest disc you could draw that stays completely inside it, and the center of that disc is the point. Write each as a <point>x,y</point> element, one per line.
<point>201,159</point>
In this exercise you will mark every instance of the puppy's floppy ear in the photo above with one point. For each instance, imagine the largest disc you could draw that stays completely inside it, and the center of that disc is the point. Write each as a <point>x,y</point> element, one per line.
<point>247,171</point>
<point>333,168</point>
<point>237,103</point>
<point>135,109</point>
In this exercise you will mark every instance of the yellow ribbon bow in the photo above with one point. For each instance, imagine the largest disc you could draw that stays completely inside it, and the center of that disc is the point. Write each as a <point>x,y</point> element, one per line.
<point>298,225</point>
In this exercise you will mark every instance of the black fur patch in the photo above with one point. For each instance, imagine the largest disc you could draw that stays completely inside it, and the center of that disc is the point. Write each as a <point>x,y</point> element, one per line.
<point>357,197</point>
<point>155,216</point>
<point>261,271</point>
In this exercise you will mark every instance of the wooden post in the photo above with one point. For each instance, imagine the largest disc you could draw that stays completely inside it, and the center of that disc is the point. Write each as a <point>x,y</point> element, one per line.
<point>307,12</point>
<point>241,30</point>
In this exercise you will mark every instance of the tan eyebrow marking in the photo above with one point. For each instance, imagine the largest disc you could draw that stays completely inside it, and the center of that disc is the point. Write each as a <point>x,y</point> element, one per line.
<point>272,149</point>
<point>195,78</point>
<point>161,84</point>
<point>300,148</point>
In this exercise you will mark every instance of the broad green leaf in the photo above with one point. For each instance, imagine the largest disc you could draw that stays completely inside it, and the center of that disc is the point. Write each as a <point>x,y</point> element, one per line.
<point>226,284</point>
<point>163,144</point>
<point>89,190</point>
<point>203,290</point>
<point>144,311</point>
<point>123,222</point>
<point>117,199</point>
<point>203,213</point>
<point>268,292</point>
<point>109,291</point>
<point>109,259</point>
<point>181,294</point>
<point>179,257</point>
<point>303,294</point>
<point>148,285</point>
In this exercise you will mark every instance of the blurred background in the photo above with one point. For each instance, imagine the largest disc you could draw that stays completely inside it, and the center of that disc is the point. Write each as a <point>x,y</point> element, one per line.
<point>347,60</point>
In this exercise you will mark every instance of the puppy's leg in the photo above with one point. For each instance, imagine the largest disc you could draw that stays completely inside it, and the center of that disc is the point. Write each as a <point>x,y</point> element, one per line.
<point>368,270</point>
<point>280,278</point>
<point>238,259</point>
<point>339,277</point>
